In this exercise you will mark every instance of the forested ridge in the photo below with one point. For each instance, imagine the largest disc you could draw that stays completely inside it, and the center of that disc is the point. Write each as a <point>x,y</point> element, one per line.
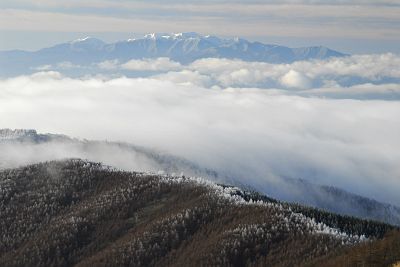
<point>79,213</point>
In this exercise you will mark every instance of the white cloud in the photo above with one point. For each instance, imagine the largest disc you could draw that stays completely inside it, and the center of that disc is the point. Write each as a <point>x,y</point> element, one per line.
<point>294,79</point>
<point>346,72</point>
<point>371,67</point>
<point>186,77</point>
<point>370,91</point>
<point>108,64</point>
<point>44,76</point>
<point>253,134</point>
<point>65,65</point>
<point>359,76</point>
<point>159,64</point>
<point>43,68</point>
<point>234,72</point>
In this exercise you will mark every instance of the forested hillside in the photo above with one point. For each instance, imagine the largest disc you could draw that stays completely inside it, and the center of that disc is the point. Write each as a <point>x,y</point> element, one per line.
<point>382,252</point>
<point>74,212</point>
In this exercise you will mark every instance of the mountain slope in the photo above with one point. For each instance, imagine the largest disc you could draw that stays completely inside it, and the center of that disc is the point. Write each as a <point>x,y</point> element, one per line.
<point>183,48</point>
<point>336,200</point>
<point>383,252</point>
<point>80,213</point>
<point>20,147</point>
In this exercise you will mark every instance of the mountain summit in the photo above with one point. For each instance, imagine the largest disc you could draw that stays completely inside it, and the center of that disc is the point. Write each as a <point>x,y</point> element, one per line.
<point>181,47</point>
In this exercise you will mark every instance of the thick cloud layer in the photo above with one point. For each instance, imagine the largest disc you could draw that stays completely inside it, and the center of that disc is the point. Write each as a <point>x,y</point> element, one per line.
<point>357,77</point>
<point>256,135</point>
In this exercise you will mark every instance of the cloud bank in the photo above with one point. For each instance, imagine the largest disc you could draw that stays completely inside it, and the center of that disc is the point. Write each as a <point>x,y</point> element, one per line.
<point>375,76</point>
<point>202,114</point>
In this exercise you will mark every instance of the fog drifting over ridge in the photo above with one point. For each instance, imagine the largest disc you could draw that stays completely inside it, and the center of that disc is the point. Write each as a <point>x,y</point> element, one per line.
<point>256,134</point>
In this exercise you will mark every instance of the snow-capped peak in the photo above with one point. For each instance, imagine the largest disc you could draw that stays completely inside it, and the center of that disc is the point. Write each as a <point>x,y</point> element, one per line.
<point>150,36</point>
<point>180,35</point>
<point>81,39</point>
<point>87,43</point>
<point>188,35</point>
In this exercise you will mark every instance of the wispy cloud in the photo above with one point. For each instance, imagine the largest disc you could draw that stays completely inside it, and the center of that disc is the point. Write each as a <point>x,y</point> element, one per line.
<point>358,19</point>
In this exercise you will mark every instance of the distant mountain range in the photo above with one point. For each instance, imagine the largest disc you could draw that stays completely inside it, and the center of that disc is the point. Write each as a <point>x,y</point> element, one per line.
<point>27,146</point>
<point>181,47</point>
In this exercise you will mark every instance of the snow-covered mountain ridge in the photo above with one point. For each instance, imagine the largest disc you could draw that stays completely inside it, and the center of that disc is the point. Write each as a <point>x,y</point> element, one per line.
<point>28,135</point>
<point>187,47</point>
<point>180,47</point>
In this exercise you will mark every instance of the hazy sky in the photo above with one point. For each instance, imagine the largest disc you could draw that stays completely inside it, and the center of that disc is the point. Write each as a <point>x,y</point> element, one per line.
<point>360,26</point>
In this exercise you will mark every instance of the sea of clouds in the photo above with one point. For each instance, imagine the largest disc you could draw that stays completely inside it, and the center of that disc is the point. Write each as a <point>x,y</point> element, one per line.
<point>334,122</point>
<point>374,76</point>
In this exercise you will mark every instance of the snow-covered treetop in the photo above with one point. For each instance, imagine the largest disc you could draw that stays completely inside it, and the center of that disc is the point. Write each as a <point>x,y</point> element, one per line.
<point>9,134</point>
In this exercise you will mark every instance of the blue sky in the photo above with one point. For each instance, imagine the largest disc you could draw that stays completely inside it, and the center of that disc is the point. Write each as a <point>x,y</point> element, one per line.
<point>359,26</point>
